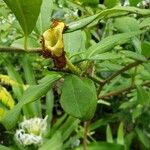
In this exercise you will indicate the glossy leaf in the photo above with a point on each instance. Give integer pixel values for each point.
(78, 97)
(24, 13)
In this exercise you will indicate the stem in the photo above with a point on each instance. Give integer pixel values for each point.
(25, 42)
(86, 125)
(133, 76)
(72, 67)
(121, 91)
(19, 50)
(127, 67)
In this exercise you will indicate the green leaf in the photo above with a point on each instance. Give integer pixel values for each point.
(89, 2)
(128, 104)
(143, 96)
(32, 109)
(126, 24)
(111, 3)
(13, 74)
(76, 25)
(128, 139)
(103, 146)
(132, 10)
(134, 55)
(78, 97)
(33, 93)
(120, 134)
(49, 107)
(72, 41)
(109, 42)
(68, 127)
(137, 112)
(55, 143)
(109, 137)
(146, 48)
(105, 56)
(2, 147)
(134, 2)
(59, 122)
(145, 23)
(19, 43)
(43, 22)
(26, 12)
(101, 122)
(142, 137)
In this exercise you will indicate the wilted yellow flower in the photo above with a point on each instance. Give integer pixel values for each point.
(52, 43)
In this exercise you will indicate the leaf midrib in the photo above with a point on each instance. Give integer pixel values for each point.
(76, 99)
(23, 17)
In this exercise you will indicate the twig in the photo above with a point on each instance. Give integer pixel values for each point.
(19, 50)
(110, 94)
(127, 67)
(86, 125)
(101, 83)
(133, 76)
(95, 80)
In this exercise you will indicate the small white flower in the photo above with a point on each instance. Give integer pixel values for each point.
(27, 139)
(36, 125)
(31, 131)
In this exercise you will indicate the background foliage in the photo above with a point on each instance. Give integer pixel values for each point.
(101, 99)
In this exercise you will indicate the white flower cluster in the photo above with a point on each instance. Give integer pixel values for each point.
(31, 131)
(142, 3)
